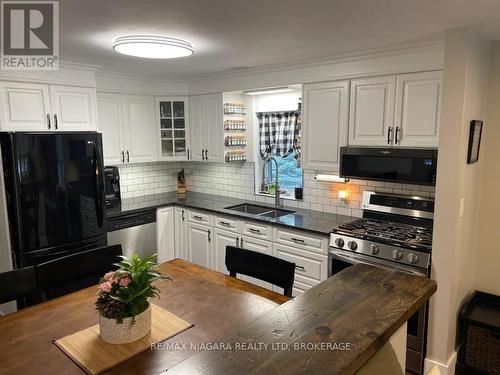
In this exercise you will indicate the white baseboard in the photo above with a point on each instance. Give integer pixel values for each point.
(447, 368)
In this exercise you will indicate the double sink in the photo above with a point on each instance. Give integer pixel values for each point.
(261, 211)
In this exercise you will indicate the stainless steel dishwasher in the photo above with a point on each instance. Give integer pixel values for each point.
(136, 232)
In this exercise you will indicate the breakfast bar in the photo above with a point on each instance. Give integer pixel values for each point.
(336, 327)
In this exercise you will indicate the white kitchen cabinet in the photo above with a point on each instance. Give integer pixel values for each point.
(140, 130)
(180, 218)
(73, 108)
(110, 124)
(371, 112)
(199, 244)
(222, 239)
(25, 107)
(325, 120)
(172, 126)
(37, 107)
(165, 234)
(418, 109)
(311, 268)
(215, 142)
(207, 132)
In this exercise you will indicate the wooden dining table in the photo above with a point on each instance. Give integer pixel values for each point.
(216, 304)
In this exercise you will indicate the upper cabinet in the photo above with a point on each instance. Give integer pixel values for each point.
(140, 130)
(37, 107)
(325, 123)
(402, 110)
(129, 132)
(172, 128)
(73, 108)
(25, 106)
(418, 109)
(206, 125)
(110, 124)
(372, 111)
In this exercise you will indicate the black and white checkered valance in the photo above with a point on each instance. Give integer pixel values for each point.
(277, 132)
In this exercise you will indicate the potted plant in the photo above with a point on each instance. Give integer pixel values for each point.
(123, 300)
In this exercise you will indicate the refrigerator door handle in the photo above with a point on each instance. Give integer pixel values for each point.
(97, 175)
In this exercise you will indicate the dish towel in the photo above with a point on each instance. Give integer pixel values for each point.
(277, 133)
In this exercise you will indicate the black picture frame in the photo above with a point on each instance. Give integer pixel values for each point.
(475, 132)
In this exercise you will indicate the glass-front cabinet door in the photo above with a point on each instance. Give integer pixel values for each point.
(173, 128)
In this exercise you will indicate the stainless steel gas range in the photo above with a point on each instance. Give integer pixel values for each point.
(394, 232)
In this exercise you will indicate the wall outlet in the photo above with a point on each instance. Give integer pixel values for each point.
(462, 204)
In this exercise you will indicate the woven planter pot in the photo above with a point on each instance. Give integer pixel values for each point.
(114, 333)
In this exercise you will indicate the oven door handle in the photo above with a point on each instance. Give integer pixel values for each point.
(378, 263)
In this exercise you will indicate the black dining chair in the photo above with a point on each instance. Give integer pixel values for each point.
(264, 267)
(17, 284)
(77, 271)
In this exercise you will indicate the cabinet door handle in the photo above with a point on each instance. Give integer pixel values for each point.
(396, 140)
(241, 243)
(224, 223)
(55, 121)
(209, 238)
(182, 215)
(48, 120)
(206, 154)
(254, 230)
(128, 157)
(197, 217)
(297, 240)
(202, 154)
(389, 131)
(237, 242)
(188, 153)
(300, 267)
(123, 157)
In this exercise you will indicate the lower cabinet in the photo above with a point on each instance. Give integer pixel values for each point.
(310, 269)
(199, 244)
(223, 238)
(180, 248)
(165, 234)
(197, 241)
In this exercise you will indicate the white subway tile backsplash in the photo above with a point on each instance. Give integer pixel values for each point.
(238, 181)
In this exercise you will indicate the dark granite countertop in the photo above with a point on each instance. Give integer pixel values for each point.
(308, 220)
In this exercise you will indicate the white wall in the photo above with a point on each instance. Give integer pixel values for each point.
(487, 246)
(427, 56)
(466, 65)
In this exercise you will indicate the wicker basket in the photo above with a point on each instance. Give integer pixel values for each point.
(482, 349)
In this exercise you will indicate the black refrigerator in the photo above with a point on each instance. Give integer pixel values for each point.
(54, 189)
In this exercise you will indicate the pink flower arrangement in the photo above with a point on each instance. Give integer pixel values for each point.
(126, 292)
(124, 281)
(105, 287)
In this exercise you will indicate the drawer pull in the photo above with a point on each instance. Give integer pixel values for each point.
(224, 223)
(253, 230)
(300, 267)
(197, 217)
(297, 240)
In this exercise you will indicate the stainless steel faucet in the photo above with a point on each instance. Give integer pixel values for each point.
(263, 185)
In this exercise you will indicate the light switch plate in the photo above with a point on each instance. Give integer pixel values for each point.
(462, 204)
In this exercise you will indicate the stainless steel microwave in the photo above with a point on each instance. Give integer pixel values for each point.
(402, 165)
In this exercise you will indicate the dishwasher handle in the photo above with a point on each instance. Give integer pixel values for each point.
(131, 220)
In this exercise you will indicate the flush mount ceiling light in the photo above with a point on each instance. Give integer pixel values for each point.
(271, 90)
(152, 46)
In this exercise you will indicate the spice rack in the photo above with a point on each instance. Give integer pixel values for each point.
(235, 140)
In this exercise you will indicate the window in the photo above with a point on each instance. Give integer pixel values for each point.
(290, 175)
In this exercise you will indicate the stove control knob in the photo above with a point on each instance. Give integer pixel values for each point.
(374, 248)
(397, 254)
(339, 242)
(352, 245)
(412, 258)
